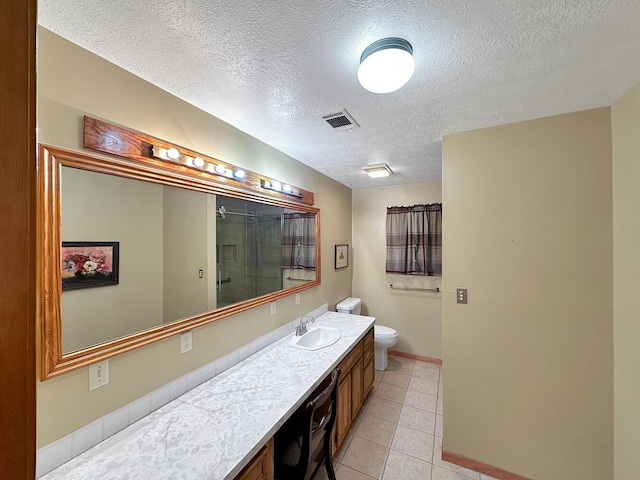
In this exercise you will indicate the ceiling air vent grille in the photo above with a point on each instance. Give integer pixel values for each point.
(341, 120)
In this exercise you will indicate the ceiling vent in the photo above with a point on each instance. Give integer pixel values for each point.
(341, 120)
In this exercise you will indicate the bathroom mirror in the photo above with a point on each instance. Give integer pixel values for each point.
(132, 252)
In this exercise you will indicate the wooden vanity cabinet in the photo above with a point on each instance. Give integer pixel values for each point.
(261, 466)
(354, 385)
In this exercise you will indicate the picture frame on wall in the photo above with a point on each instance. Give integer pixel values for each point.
(342, 256)
(89, 264)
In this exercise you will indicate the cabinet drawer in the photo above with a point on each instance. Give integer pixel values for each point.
(349, 361)
(368, 353)
(368, 339)
(367, 344)
(261, 466)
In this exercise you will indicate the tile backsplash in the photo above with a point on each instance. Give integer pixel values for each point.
(61, 451)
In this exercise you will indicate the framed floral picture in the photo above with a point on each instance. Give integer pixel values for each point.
(89, 264)
(342, 256)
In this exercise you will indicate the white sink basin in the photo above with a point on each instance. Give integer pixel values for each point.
(317, 338)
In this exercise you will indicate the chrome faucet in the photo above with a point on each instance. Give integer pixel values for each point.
(302, 328)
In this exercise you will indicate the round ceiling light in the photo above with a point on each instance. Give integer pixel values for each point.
(386, 65)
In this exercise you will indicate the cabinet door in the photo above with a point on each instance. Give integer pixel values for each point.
(343, 418)
(261, 466)
(368, 377)
(356, 388)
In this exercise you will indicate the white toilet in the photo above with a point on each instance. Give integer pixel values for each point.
(383, 337)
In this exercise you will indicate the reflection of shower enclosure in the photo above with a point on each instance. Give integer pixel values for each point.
(248, 249)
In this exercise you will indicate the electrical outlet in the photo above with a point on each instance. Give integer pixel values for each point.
(186, 342)
(272, 306)
(297, 299)
(98, 374)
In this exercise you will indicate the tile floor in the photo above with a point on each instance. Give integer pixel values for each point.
(398, 433)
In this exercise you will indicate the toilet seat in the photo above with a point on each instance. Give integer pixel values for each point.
(380, 331)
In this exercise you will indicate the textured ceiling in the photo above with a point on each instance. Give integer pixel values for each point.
(274, 68)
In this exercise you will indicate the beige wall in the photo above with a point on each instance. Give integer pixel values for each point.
(130, 213)
(187, 247)
(626, 282)
(73, 82)
(528, 361)
(416, 316)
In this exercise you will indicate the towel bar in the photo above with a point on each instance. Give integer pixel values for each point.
(436, 290)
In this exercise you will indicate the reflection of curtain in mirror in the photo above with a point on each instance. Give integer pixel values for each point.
(299, 240)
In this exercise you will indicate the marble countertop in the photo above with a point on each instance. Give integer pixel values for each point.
(214, 430)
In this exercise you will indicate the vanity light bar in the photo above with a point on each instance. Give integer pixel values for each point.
(280, 188)
(173, 154)
(99, 136)
(159, 152)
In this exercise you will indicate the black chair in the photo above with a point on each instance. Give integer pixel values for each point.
(305, 439)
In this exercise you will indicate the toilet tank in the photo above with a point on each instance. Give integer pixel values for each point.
(350, 305)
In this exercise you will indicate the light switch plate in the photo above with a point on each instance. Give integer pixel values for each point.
(272, 306)
(297, 299)
(98, 374)
(461, 295)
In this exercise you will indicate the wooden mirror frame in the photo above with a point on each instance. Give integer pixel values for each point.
(50, 161)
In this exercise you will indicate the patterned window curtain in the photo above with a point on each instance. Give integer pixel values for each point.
(414, 239)
(299, 240)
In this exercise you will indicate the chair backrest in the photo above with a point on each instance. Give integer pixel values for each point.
(322, 409)
(308, 432)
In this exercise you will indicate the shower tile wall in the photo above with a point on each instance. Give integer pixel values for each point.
(231, 240)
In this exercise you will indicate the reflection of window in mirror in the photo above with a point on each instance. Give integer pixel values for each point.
(259, 247)
(299, 245)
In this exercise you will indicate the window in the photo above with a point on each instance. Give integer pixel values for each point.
(414, 240)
